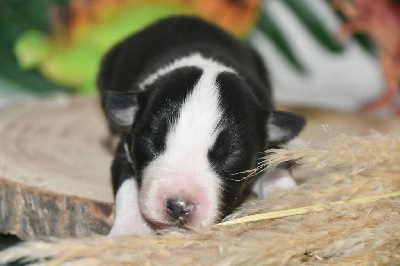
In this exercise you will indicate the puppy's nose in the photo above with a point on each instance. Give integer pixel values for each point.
(179, 210)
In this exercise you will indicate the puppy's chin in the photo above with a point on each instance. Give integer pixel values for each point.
(165, 228)
(177, 226)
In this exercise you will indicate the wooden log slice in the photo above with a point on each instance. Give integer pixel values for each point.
(54, 169)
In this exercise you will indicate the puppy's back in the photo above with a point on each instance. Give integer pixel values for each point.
(135, 58)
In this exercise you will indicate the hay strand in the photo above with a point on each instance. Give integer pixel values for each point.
(349, 152)
(307, 209)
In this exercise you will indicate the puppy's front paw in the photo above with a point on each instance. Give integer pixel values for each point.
(128, 218)
(270, 181)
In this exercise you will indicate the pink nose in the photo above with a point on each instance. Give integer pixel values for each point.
(179, 210)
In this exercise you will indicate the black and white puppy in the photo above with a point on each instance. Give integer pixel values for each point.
(192, 107)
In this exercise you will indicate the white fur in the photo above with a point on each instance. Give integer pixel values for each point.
(128, 218)
(128, 155)
(195, 59)
(272, 180)
(183, 170)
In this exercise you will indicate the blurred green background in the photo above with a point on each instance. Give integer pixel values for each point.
(17, 17)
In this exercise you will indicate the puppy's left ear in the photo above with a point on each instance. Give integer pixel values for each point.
(120, 108)
(283, 126)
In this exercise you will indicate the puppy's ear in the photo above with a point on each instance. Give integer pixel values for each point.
(120, 108)
(283, 126)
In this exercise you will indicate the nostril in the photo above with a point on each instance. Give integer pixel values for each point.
(179, 210)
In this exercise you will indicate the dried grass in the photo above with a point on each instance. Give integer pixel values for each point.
(351, 232)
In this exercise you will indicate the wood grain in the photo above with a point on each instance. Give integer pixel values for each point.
(54, 169)
(323, 124)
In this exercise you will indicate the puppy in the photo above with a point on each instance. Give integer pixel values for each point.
(192, 108)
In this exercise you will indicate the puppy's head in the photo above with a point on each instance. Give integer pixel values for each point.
(192, 134)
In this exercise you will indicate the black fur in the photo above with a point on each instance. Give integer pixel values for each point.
(141, 54)
(133, 59)
(242, 138)
(245, 99)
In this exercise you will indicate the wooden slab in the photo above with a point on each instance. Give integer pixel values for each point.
(54, 168)
(323, 124)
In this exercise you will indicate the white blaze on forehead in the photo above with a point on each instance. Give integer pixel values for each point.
(195, 130)
(193, 60)
(184, 168)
